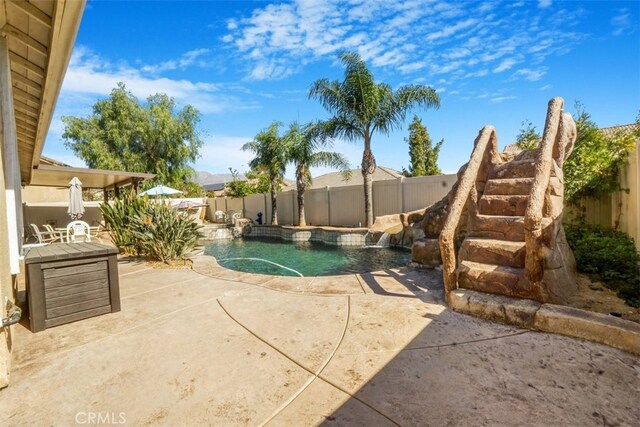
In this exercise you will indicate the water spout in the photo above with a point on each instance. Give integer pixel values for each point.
(383, 242)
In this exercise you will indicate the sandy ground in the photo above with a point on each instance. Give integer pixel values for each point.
(594, 296)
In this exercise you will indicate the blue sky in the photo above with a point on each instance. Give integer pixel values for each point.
(244, 64)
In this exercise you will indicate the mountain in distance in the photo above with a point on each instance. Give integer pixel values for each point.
(207, 178)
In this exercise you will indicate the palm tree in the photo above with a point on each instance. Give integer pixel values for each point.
(271, 156)
(303, 143)
(360, 107)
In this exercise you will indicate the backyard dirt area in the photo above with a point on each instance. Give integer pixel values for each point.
(594, 296)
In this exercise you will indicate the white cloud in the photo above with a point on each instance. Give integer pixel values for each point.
(505, 65)
(89, 74)
(546, 87)
(479, 73)
(451, 29)
(621, 23)
(457, 53)
(221, 152)
(499, 99)
(543, 4)
(530, 75)
(409, 68)
(187, 59)
(279, 40)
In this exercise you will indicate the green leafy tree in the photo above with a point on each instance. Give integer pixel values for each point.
(593, 168)
(122, 134)
(303, 143)
(422, 152)
(361, 107)
(270, 151)
(528, 138)
(256, 182)
(260, 182)
(237, 187)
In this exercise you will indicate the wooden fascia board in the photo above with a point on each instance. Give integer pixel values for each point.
(64, 30)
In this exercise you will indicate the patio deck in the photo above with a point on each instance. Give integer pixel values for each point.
(212, 346)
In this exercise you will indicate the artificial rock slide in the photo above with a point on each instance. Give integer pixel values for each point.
(500, 230)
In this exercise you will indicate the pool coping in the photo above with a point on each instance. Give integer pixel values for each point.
(340, 236)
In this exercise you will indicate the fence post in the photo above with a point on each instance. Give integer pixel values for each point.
(401, 194)
(328, 205)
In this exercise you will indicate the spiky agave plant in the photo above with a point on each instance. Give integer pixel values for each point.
(164, 233)
(118, 215)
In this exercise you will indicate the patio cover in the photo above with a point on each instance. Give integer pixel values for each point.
(40, 36)
(59, 176)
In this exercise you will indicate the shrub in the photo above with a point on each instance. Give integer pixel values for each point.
(609, 256)
(118, 215)
(592, 169)
(164, 233)
(142, 226)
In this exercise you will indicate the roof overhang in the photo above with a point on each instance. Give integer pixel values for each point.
(59, 176)
(40, 37)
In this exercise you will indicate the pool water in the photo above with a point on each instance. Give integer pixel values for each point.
(284, 258)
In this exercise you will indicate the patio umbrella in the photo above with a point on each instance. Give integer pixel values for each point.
(76, 207)
(160, 190)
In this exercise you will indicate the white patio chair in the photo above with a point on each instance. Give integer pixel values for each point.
(235, 217)
(78, 230)
(231, 217)
(53, 232)
(43, 236)
(95, 231)
(221, 217)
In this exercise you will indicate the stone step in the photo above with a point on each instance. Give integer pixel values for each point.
(518, 186)
(501, 227)
(516, 169)
(493, 279)
(492, 251)
(506, 205)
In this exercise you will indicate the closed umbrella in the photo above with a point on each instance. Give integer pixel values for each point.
(76, 207)
(160, 190)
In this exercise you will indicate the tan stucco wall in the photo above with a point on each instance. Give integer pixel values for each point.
(44, 194)
(6, 279)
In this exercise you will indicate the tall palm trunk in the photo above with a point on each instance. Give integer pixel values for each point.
(368, 167)
(301, 187)
(274, 208)
(302, 222)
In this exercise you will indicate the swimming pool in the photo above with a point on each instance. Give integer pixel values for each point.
(277, 257)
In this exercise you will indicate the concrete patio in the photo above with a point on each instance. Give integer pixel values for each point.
(210, 346)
